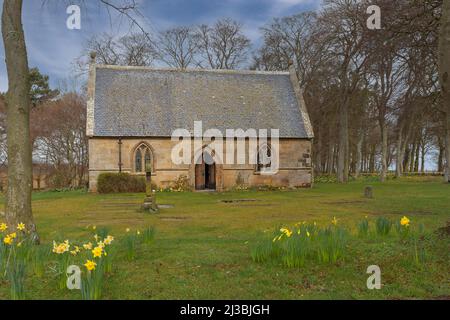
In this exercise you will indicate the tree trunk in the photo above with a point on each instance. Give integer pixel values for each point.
(18, 195)
(412, 158)
(342, 170)
(400, 154)
(416, 162)
(422, 162)
(440, 163)
(372, 159)
(444, 74)
(384, 150)
(358, 164)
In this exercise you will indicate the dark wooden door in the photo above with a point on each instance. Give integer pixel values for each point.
(210, 176)
(200, 176)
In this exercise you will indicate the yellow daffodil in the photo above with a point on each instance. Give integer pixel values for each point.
(3, 227)
(334, 221)
(127, 229)
(21, 227)
(405, 221)
(101, 244)
(94, 227)
(96, 237)
(138, 232)
(287, 232)
(61, 248)
(73, 252)
(108, 240)
(90, 265)
(8, 240)
(87, 246)
(97, 252)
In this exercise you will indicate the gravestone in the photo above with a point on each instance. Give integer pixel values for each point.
(149, 201)
(368, 192)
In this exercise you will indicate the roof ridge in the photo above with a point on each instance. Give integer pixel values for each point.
(224, 71)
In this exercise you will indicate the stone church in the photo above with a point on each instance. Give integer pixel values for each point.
(132, 113)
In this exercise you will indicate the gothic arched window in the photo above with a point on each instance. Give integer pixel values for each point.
(143, 159)
(264, 158)
(138, 161)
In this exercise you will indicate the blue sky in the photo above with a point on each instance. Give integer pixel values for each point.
(53, 48)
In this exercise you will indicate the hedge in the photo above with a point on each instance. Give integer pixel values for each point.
(120, 183)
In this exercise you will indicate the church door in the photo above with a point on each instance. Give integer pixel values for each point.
(200, 176)
(205, 174)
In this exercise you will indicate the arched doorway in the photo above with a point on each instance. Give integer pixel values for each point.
(205, 173)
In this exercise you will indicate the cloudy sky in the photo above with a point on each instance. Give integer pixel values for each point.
(53, 48)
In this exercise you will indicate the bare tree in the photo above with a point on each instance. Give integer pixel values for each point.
(18, 103)
(59, 135)
(444, 73)
(137, 50)
(18, 195)
(134, 49)
(223, 46)
(178, 47)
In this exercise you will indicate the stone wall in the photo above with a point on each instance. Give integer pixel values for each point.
(295, 164)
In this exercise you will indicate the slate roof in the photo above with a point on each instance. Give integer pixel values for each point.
(144, 102)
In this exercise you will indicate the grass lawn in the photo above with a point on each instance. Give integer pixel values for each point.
(202, 245)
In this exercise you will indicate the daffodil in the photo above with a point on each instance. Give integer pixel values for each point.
(405, 221)
(334, 221)
(8, 240)
(127, 229)
(108, 240)
(87, 246)
(138, 232)
(61, 248)
(21, 227)
(101, 244)
(287, 232)
(90, 265)
(97, 252)
(3, 227)
(308, 234)
(94, 227)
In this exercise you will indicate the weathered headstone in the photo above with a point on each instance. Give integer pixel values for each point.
(368, 192)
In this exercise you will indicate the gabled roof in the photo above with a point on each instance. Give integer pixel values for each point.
(145, 102)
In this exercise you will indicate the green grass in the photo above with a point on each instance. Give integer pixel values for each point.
(202, 246)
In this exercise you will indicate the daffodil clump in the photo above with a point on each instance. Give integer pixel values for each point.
(15, 248)
(296, 245)
(383, 226)
(94, 255)
(363, 227)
